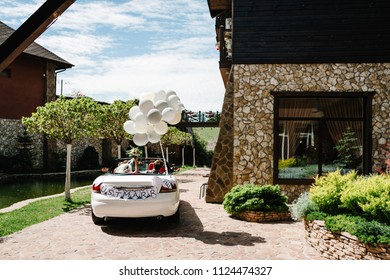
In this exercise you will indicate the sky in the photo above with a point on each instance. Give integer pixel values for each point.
(124, 48)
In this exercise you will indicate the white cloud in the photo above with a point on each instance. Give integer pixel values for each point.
(77, 48)
(191, 46)
(122, 49)
(19, 11)
(196, 81)
(87, 16)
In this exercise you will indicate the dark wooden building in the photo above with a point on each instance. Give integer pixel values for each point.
(317, 31)
(302, 77)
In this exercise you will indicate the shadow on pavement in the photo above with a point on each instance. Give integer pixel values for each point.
(190, 226)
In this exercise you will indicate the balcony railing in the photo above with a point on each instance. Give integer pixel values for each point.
(199, 119)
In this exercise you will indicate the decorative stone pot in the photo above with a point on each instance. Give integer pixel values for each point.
(342, 246)
(259, 217)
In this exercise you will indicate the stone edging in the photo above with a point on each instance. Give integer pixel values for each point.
(342, 246)
(47, 176)
(255, 216)
(23, 203)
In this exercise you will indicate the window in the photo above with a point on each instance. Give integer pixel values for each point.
(316, 133)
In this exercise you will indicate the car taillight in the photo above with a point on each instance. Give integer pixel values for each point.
(164, 189)
(96, 188)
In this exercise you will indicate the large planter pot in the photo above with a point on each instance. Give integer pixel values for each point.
(342, 246)
(259, 217)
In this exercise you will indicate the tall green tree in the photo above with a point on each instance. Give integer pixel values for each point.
(66, 120)
(112, 117)
(175, 136)
(25, 148)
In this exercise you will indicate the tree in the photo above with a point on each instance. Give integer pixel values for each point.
(112, 117)
(26, 153)
(66, 120)
(175, 136)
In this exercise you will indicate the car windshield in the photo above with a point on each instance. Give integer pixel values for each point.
(147, 166)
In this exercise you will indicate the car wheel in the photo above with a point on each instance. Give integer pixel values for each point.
(175, 218)
(97, 220)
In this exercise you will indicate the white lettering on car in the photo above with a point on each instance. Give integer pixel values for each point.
(143, 193)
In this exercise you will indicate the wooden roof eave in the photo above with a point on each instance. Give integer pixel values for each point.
(218, 6)
(59, 65)
(31, 29)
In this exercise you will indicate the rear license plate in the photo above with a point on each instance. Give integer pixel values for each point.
(129, 193)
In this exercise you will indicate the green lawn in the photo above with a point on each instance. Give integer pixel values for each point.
(41, 210)
(209, 134)
(47, 208)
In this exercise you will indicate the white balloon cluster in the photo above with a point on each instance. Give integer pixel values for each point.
(149, 120)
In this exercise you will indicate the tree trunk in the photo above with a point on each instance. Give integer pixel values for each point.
(193, 156)
(67, 176)
(119, 151)
(182, 156)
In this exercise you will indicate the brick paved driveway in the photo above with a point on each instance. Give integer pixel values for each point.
(205, 232)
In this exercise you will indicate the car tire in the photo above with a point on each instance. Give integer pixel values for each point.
(175, 218)
(97, 220)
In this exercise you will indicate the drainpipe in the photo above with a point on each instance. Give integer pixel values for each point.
(62, 84)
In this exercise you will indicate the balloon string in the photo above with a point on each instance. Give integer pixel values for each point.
(165, 162)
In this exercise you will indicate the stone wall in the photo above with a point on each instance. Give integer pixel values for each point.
(10, 129)
(253, 115)
(51, 79)
(79, 147)
(221, 174)
(342, 246)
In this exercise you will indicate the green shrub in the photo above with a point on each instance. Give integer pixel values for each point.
(302, 206)
(366, 231)
(254, 198)
(326, 190)
(349, 203)
(316, 215)
(369, 197)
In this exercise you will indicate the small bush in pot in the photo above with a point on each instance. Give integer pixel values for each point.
(250, 197)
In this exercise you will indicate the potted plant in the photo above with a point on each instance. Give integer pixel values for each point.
(256, 203)
(344, 212)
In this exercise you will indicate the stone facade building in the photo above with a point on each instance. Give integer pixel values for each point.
(302, 78)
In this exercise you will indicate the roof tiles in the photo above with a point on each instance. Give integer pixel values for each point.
(34, 49)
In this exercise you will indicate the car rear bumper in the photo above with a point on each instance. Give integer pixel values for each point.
(165, 204)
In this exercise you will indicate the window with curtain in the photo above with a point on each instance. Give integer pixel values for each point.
(319, 133)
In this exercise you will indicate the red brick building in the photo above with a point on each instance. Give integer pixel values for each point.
(28, 82)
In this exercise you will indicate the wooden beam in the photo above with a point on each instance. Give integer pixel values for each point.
(220, 4)
(217, 6)
(31, 29)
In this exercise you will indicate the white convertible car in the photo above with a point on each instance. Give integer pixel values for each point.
(136, 189)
